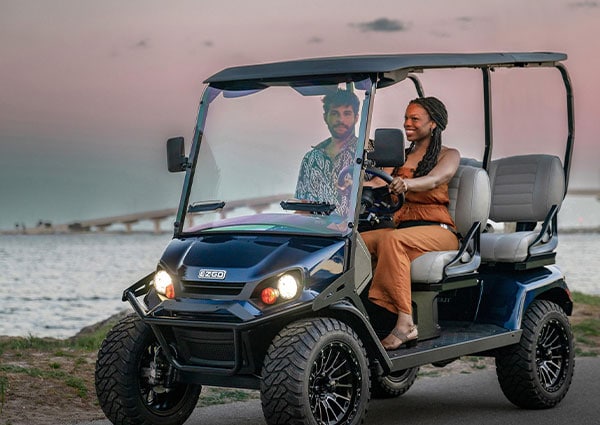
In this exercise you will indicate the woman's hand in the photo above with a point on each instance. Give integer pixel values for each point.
(399, 186)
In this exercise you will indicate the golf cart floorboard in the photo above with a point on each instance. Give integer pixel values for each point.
(456, 339)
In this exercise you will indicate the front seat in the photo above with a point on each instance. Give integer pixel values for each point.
(469, 192)
(437, 271)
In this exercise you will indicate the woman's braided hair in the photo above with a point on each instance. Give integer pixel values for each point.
(438, 114)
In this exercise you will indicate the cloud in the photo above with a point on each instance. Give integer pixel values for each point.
(142, 44)
(381, 25)
(440, 34)
(464, 19)
(584, 4)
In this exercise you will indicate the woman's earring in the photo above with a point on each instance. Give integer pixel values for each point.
(431, 131)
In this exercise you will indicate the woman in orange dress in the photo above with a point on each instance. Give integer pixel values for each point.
(423, 223)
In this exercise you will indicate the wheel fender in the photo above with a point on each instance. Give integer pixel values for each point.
(350, 314)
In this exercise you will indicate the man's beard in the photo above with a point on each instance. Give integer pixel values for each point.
(347, 132)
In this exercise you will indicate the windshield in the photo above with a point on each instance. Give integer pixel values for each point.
(279, 159)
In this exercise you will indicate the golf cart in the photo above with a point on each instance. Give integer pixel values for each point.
(260, 290)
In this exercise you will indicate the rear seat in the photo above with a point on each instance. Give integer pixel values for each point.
(526, 189)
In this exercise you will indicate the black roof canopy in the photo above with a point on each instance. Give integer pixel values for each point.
(342, 68)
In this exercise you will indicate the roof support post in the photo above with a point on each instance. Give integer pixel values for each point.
(487, 111)
(570, 122)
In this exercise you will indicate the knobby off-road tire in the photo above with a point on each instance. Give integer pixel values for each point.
(315, 372)
(394, 384)
(125, 370)
(536, 373)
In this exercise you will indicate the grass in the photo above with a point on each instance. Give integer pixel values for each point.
(59, 347)
(211, 396)
(588, 327)
(68, 356)
(579, 298)
(587, 331)
(3, 387)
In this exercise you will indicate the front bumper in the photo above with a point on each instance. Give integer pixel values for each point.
(210, 342)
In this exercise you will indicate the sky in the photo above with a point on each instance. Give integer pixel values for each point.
(90, 90)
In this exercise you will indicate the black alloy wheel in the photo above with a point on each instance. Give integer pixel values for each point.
(315, 372)
(536, 373)
(134, 382)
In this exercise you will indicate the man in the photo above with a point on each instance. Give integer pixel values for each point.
(320, 178)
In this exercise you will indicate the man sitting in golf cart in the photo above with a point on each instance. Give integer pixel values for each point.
(322, 177)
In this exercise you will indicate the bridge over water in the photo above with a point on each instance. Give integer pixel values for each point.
(158, 216)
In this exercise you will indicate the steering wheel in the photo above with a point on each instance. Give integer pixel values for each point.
(379, 200)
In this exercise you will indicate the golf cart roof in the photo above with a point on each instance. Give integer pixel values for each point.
(395, 66)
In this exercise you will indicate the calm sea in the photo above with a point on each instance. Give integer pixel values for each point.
(53, 285)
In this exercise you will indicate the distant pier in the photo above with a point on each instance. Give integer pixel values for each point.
(585, 192)
(157, 217)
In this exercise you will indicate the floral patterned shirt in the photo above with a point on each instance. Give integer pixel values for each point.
(320, 176)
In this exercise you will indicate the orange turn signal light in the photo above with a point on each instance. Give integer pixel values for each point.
(170, 291)
(269, 295)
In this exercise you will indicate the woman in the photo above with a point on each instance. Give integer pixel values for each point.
(423, 223)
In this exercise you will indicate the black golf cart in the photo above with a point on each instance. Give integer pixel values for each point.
(260, 290)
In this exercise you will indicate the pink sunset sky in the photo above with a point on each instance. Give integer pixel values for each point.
(89, 91)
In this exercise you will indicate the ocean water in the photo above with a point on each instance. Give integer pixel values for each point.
(53, 285)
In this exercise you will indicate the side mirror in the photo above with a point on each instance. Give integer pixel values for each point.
(176, 159)
(388, 148)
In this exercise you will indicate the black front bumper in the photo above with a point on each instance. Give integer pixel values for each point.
(212, 344)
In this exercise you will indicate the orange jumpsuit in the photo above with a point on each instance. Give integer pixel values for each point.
(392, 250)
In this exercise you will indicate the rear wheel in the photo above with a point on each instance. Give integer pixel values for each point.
(536, 373)
(315, 372)
(134, 382)
(395, 384)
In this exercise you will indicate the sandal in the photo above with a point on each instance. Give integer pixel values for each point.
(405, 338)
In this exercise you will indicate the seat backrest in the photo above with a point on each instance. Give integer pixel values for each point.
(525, 187)
(469, 192)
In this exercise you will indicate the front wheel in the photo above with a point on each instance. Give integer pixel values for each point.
(536, 373)
(315, 372)
(134, 382)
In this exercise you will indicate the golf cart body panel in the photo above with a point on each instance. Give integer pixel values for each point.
(506, 297)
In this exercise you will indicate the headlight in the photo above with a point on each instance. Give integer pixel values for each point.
(277, 289)
(164, 284)
(287, 286)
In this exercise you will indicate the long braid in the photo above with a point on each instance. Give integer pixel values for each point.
(438, 114)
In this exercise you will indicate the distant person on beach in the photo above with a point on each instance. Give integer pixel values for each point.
(320, 176)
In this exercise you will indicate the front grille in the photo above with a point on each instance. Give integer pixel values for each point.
(212, 348)
(213, 288)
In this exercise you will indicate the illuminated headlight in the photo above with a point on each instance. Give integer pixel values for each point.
(287, 285)
(163, 283)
